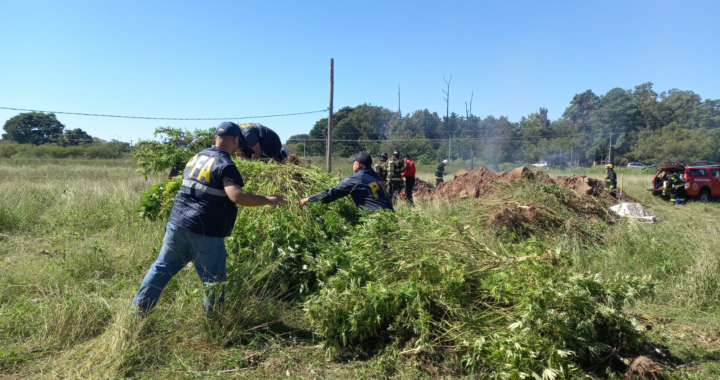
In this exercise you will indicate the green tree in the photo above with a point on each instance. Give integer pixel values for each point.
(76, 136)
(33, 128)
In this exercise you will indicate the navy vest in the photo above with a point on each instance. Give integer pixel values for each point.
(201, 205)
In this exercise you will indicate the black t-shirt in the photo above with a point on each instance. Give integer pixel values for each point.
(231, 177)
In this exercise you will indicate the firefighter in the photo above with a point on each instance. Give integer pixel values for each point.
(610, 179)
(664, 177)
(677, 189)
(381, 168)
(396, 166)
(440, 172)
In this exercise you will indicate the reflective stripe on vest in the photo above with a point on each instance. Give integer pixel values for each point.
(203, 189)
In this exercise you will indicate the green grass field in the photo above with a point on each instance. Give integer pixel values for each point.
(73, 252)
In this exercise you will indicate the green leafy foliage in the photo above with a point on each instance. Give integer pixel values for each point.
(33, 128)
(436, 288)
(175, 148)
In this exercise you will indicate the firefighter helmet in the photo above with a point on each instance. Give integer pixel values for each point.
(609, 166)
(396, 153)
(384, 155)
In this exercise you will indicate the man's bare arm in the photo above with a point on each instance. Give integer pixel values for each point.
(238, 196)
(256, 152)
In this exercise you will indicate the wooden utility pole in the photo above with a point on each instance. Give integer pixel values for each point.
(330, 120)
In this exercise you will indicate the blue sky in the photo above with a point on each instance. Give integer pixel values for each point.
(245, 58)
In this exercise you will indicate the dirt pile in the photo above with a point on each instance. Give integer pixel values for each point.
(467, 184)
(525, 173)
(476, 183)
(592, 187)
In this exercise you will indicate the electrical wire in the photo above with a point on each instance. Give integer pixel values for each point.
(165, 118)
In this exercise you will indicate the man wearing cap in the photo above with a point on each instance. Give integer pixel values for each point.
(440, 172)
(258, 141)
(364, 186)
(203, 214)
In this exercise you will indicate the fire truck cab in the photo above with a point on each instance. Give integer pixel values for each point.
(701, 182)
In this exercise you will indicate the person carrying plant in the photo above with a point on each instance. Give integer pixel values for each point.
(610, 179)
(258, 141)
(409, 175)
(202, 215)
(364, 186)
(396, 166)
(440, 172)
(381, 168)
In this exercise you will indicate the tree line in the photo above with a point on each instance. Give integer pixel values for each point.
(637, 124)
(42, 135)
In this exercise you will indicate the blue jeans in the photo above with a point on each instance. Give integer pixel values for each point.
(180, 247)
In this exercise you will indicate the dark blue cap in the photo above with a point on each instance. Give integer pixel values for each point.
(363, 158)
(228, 128)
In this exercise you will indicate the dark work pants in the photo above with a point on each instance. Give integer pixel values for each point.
(438, 181)
(396, 188)
(409, 184)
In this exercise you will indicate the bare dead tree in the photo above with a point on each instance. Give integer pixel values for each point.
(399, 113)
(447, 97)
(468, 111)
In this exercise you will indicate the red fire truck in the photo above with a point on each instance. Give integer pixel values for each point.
(702, 182)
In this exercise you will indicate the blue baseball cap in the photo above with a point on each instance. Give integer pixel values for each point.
(363, 158)
(228, 128)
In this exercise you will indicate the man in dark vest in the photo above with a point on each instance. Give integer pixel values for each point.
(364, 186)
(202, 215)
(258, 141)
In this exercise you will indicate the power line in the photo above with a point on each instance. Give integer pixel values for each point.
(164, 118)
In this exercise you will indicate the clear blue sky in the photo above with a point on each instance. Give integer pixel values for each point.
(244, 58)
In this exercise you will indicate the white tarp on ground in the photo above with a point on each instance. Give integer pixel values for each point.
(633, 210)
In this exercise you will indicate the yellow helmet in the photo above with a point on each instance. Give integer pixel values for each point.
(609, 166)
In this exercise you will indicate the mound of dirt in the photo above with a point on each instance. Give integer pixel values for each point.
(520, 219)
(592, 187)
(525, 173)
(467, 184)
(461, 173)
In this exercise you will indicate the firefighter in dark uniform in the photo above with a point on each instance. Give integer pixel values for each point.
(381, 169)
(677, 189)
(440, 172)
(258, 141)
(396, 166)
(610, 179)
(202, 215)
(364, 186)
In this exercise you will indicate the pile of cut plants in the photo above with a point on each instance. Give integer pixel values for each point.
(470, 288)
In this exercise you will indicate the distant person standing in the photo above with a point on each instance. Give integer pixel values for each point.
(610, 179)
(409, 175)
(363, 186)
(202, 215)
(440, 172)
(381, 168)
(396, 166)
(258, 141)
